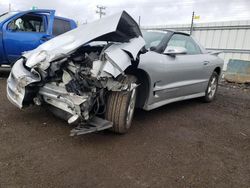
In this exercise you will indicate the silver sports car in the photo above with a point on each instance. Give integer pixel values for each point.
(96, 75)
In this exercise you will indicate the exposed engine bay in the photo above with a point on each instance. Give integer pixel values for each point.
(76, 84)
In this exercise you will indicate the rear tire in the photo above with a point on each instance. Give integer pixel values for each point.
(211, 88)
(120, 107)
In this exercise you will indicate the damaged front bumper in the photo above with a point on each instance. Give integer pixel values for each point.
(18, 90)
(23, 90)
(74, 78)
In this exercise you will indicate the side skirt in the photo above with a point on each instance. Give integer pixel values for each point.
(167, 101)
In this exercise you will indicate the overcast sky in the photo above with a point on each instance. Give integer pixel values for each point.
(152, 12)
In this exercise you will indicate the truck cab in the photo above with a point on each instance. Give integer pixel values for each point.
(25, 31)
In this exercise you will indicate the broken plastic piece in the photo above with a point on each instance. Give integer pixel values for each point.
(96, 124)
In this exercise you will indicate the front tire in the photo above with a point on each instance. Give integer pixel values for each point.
(211, 88)
(120, 107)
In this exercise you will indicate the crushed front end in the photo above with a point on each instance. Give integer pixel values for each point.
(75, 84)
(72, 75)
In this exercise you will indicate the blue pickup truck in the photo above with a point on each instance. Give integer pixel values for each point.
(24, 31)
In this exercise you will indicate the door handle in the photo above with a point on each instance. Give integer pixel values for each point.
(206, 62)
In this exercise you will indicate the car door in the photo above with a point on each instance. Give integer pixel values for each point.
(178, 76)
(26, 31)
(185, 73)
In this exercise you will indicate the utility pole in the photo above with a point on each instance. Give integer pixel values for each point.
(100, 10)
(139, 21)
(192, 24)
(9, 7)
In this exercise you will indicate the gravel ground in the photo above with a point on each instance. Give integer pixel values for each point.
(185, 144)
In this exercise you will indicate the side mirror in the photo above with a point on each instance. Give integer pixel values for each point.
(173, 50)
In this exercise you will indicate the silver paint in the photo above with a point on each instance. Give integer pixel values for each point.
(173, 75)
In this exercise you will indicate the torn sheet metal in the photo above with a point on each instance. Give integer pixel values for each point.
(116, 28)
(18, 80)
(134, 46)
(60, 98)
(118, 55)
(117, 60)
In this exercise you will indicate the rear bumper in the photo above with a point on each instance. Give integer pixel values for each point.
(19, 79)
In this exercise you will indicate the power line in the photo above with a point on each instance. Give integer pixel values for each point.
(100, 11)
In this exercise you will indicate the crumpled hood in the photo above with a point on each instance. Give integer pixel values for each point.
(120, 27)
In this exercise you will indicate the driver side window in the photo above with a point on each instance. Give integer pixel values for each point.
(179, 40)
(28, 23)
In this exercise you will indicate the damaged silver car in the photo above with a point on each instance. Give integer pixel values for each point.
(94, 76)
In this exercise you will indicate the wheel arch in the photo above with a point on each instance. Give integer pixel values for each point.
(217, 70)
(144, 84)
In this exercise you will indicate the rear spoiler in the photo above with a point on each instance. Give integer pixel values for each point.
(214, 52)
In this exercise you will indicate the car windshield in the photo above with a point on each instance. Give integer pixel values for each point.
(6, 15)
(153, 38)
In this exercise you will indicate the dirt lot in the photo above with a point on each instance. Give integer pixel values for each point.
(186, 144)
